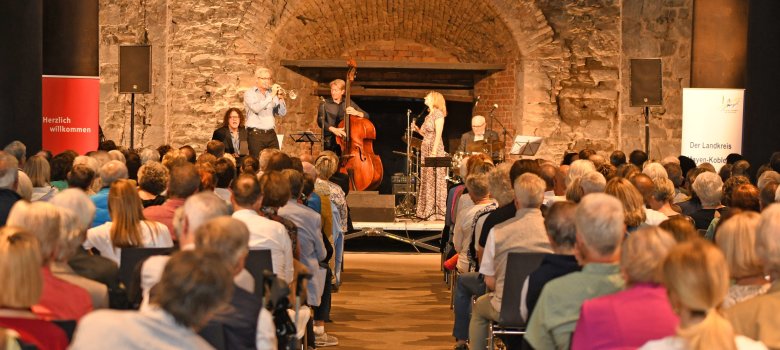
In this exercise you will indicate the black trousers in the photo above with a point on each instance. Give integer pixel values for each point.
(259, 140)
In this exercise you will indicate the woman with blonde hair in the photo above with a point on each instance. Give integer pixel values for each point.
(630, 318)
(38, 170)
(736, 237)
(631, 199)
(20, 261)
(696, 277)
(662, 196)
(432, 198)
(127, 228)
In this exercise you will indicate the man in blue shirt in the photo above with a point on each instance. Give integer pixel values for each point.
(262, 104)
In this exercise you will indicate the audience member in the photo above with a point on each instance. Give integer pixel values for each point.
(600, 230)
(225, 172)
(82, 176)
(61, 165)
(128, 227)
(561, 231)
(263, 233)
(189, 153)
(18, 150)
(638, 158)
(109, 173)
(197, 210)
(60, 300)
(37, 168)
(152, 182)
(8, 183)
(94, 267)
(246, 324)
(736, 238)
(524, 233)
(20, 263)
(617, 158)
(194, 286)
(314, 254)
(681, 227)
(72, 235)
(630, 318)
(708, 188)
(662, 196)
(148, 154)
(216, 148)
(696, 277)
(183, 181)
(757, 318)
(655, 171)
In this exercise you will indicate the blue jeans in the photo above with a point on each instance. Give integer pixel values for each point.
(469, 285)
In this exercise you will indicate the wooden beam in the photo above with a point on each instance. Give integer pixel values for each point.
(449, 95)
(394, 65)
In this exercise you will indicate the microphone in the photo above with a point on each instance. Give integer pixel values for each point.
(476, 101)
(495, 106)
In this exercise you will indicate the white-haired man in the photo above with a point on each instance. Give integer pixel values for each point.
(478, 133)
(523, 233)
(109, 172)
(600, 229)
(8, 183)
(262, 102)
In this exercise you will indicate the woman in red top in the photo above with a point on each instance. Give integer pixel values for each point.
(20, 261)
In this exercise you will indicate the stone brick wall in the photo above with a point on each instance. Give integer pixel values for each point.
(657, 29)
(565, 78)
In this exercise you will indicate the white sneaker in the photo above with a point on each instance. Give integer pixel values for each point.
(324, 339)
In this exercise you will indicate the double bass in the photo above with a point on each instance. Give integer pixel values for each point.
(358, 159)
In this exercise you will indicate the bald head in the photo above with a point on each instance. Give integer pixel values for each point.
(478, 124)
(644, 184)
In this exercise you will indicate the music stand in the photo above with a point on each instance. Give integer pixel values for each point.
(436, 162)
(306, 136)
(526, 145)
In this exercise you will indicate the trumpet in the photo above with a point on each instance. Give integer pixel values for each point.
(291, 93)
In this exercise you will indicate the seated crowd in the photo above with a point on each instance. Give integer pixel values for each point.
(633, 253)
(65, 221)
(637, 253)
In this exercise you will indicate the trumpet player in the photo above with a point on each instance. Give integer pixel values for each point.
(263, 102)
(332, 112)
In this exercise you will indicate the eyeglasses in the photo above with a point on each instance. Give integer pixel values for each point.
(264, 78)
(477, 126)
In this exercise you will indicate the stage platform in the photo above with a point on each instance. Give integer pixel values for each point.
(394, 230)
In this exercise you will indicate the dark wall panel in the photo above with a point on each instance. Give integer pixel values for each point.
(70, 37)
(762, 96)
(20, 72)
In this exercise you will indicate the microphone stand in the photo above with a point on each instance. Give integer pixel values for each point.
(504, 132)
(322, 121)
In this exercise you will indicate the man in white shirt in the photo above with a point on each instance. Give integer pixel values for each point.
(263, 233)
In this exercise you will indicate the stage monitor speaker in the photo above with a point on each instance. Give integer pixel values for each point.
(646, 89)
(370, 206)
(135, 69)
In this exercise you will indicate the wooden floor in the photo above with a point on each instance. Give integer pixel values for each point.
(392, 301)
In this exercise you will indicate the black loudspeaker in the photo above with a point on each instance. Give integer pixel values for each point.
(135, 69)
(646, 89)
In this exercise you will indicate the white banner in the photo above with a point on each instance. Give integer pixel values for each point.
(712, 124)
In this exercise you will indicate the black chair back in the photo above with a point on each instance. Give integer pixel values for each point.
(257, 261)
(130, 269)
(518, 267)
(67, 326)
(214, 334)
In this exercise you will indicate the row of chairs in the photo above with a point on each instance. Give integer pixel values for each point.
(510, 322)
(132, 260)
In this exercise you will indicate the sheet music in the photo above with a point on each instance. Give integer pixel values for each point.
(526, 145)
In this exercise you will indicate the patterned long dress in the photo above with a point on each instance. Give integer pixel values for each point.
(433, 184)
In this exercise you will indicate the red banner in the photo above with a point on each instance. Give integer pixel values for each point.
(70, 113)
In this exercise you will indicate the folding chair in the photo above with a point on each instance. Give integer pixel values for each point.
(518, 267)
(257, 261)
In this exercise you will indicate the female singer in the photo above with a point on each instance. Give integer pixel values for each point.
(432, 198)
(232, 131)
